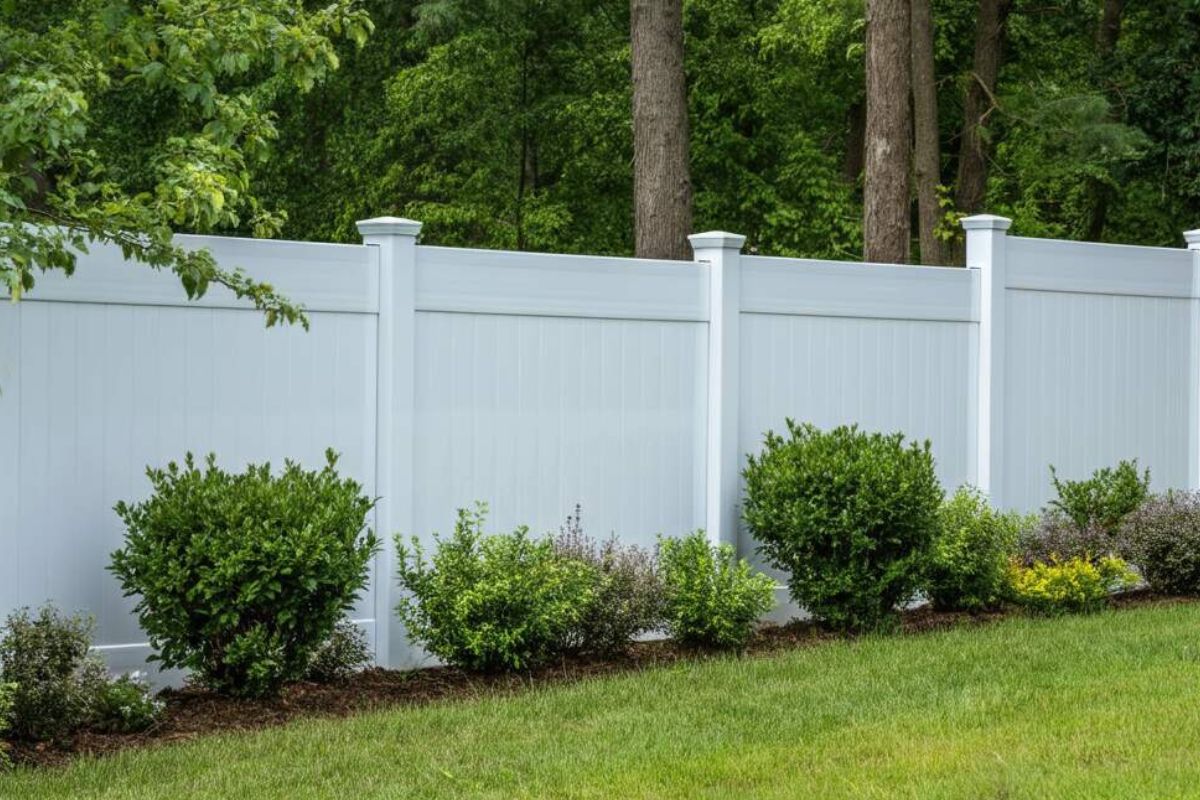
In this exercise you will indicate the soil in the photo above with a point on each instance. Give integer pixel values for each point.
(193, 712)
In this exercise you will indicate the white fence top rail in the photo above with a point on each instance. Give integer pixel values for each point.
(1051, 265)
(542, 284)
(805, 287)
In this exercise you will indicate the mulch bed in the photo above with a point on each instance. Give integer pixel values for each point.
(193, 712)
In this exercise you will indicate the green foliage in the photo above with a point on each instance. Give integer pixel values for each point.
(1103, 499)
(852, 516)
(45, 656)
(124, 121)
(8, 693)
(125, 705)
(1163, 538)
(626, 593)
(1073, 585)
(345, 652)
(490, 603)
(240, 577)
(975, 543)
(713, 598)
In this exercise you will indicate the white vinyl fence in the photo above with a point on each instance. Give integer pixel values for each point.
(534, 382)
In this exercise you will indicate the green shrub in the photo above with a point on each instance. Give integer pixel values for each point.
(46, 656)
(851, 516)
(713, 598)
(239, 577)
(1163, 540)
(1103, 499)
(7, 693)
(969, 562)
(125, 705)
(627, 595)
(488, 603)
(340, 656)
(1073, 585)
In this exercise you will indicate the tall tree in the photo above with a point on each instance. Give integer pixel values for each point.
(886, 202)
(927, 157)
(662, 186)
(978, 104)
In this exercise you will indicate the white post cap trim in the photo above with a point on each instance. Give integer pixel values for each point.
(721, 239)
(980, 222)
(383, 226)
(1193, 239)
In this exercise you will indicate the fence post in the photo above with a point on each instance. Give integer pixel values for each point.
(987, 252)
(1193, 243)
(722, 253)
(395, 240)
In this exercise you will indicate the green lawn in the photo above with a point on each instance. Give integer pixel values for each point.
(1082, 707)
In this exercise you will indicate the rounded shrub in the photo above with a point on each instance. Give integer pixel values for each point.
(491, 603)
(713, 598)
(240, 577)
(1076, 584)
(851, 516)
(1163, 541)
(125, 705)
(340, 656)
(970, 557)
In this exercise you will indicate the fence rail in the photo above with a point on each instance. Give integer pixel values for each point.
(538, 381)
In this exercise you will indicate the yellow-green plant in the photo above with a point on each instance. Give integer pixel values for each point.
(1056, 587)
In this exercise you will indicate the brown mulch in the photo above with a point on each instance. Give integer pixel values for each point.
(194, 712)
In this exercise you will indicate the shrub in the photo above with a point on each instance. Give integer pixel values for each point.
(850, 515)
(7, 693)
(487, 603)
(45, 655)
(713, 598)
(626, 597)
(340, 656)
(1073, 585)
(1103, 499)
(239, 577)
(970, 558)
(125, 705)
(1164, 542)
(1057, 537)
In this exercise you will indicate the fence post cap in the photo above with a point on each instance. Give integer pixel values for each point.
(383, 226)
(985, 222)
(721, 239)
(1193, 239)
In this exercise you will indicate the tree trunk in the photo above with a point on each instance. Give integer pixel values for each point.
(979, 103)
(927, 157)
(886, 201)
(662, 186)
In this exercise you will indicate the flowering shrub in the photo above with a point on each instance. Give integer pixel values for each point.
(1073, 585)
(1164, 542)
(125, 705)
(627, 593)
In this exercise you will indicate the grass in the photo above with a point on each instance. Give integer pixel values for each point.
(1099, 706)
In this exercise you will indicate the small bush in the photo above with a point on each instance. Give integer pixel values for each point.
(969, 562)
(7, 694)
(340, 656)
(1057, 537)
(45, 655)
(1164, 542)
(1073, 585)
(627, 595)
(125, 705)
(487, 603)
(851, 516)
(239, 577)
(1103, 499)
(713, 598)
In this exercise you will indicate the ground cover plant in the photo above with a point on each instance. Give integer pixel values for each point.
(1083, 706)
(241, 576)
(851, 517)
